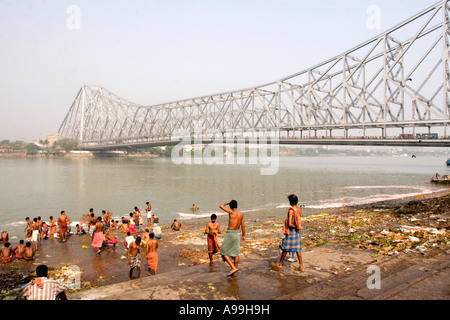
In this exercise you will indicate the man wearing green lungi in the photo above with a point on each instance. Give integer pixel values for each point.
(232, 241)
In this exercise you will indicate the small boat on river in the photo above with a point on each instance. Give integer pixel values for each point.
(441, 180)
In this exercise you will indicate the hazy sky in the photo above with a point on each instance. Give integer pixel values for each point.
(154, 51)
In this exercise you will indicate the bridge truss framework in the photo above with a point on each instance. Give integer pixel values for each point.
(395, 83)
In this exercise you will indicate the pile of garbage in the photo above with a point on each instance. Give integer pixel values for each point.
(416, 226)
(406, 239)
(194, 256)
(434, 206)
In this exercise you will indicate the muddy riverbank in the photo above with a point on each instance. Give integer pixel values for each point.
(414, 226)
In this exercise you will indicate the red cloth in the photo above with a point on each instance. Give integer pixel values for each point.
(213, 244)
(111, 241)
(62, 228)
(98, 240)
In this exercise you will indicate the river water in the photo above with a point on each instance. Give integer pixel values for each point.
(43, 187)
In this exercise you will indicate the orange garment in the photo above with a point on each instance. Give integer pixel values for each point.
(53, 229)
(152, 260)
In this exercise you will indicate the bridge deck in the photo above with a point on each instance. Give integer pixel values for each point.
(441, 143)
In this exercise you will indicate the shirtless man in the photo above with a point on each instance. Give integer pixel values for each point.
(212, 230)
(194, 208)
(292, 229)
(231, 243)
(5, 236)
(28, 234)
(80, 230)
(176, 225)
(145, 237)
(52, 228)
(124, 226)
(92, 222)
(29, 252)
(107, 219)
(39, 220)
(137, 217)
(114, 225)
(110, 239)
(152, 255)
(6, 253)
(148, 210)
(97, 240)
(19, 249)
(62, 224)
(134, 258)
(69, 229)
(29, 224)
(35, 236)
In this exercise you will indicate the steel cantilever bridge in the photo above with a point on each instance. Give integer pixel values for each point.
(383, 92)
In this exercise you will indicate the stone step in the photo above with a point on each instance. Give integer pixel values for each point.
(413, 282)
(405, 276)
(399, 277)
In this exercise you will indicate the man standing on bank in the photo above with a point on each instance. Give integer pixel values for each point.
(231, 242)
(42, 288)
(134, 258)
(62, 224)
(293, 237)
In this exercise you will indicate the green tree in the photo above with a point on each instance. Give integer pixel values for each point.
(17, 145)
(31, 148)
(67, 144)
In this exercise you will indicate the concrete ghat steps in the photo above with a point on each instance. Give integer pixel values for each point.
(255, 280)
(200, 282)
(143, 288)
(407, 277)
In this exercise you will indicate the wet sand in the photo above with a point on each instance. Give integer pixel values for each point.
(106, 268)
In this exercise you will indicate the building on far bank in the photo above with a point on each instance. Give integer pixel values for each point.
(52, 139)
